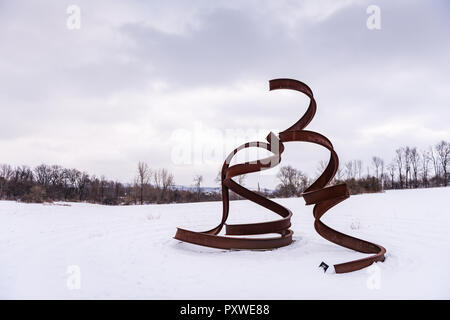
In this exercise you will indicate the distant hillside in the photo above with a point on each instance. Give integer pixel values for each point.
(209, 189)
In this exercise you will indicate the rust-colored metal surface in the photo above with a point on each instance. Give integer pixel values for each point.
(319, 194)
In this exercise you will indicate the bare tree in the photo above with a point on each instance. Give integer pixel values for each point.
(414, 159)
(425, 166)
(6, 173)
(21, 181)
(435, 161)
(55, 175)
(293, 181)
(358, 164)
(69, 180)
(377, 164)
(43, 175)
(81, 184)
(350, 169)
(143, 178)
(391, 168)
(103, 185)
(117, 190)
(399, 160)
(163, 181)
(94, 189)
(407, 159)
(321, 167)
(135, 191)
(443, 152)
(339, 176)
(198, 179)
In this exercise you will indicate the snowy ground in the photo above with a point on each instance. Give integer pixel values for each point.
(129, 252)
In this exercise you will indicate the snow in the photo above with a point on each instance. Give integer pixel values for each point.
(128, 252)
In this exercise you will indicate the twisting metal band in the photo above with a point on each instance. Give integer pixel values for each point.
(322, 196)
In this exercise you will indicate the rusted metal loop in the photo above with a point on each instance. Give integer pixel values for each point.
(320, 195)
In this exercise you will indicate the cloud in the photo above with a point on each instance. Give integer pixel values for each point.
(118, 90)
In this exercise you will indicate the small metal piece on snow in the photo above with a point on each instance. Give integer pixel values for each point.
(324, 266)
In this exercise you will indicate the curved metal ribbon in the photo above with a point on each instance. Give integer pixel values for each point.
(322, 196)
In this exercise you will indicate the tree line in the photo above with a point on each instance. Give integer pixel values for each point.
(409, 168)
(55, 183)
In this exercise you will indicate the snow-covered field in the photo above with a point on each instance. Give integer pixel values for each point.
(129, 252)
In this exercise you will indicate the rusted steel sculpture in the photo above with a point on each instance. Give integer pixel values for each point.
(322, 196)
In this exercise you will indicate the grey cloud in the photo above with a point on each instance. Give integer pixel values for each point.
(100, 80)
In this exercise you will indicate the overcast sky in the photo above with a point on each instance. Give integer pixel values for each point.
(179, 84)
